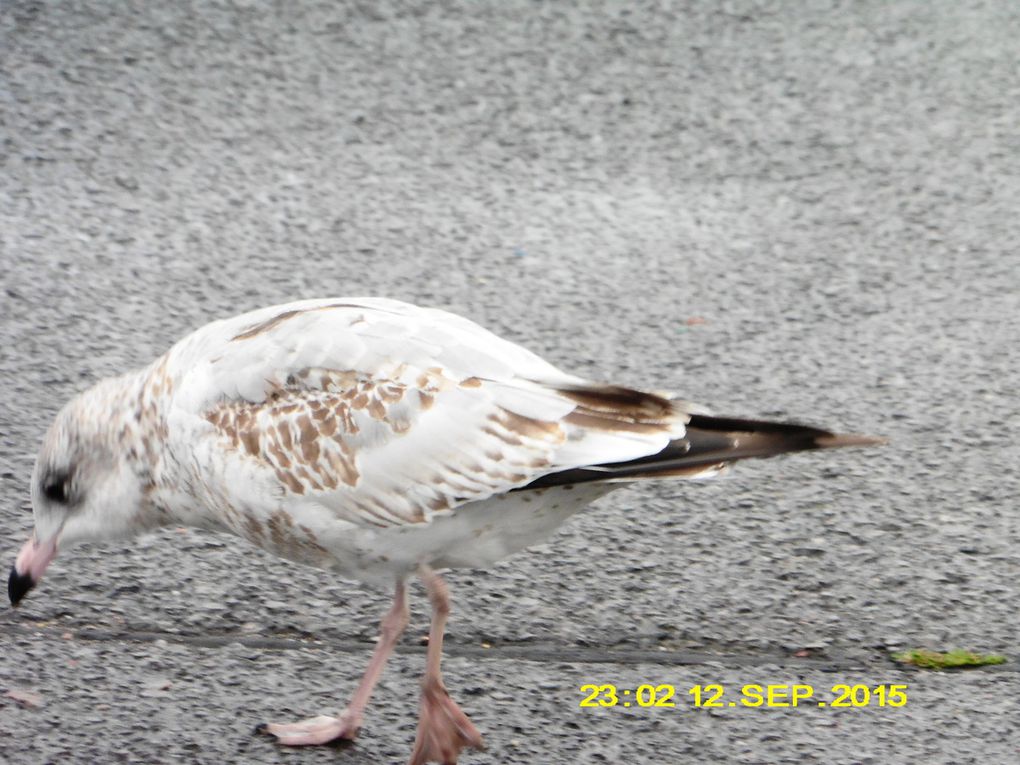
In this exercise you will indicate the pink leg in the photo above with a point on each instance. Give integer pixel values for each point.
(443, 729)
(324, 729)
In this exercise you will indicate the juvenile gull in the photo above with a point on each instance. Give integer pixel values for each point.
(374, 439)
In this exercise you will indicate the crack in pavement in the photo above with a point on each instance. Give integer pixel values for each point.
(534, 652)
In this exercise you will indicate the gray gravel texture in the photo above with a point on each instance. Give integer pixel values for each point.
(802, 210)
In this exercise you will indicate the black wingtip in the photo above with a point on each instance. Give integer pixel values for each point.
(18, 586)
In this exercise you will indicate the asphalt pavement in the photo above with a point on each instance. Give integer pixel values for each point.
(779, 209)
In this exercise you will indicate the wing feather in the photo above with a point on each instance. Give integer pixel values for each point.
(388, 414)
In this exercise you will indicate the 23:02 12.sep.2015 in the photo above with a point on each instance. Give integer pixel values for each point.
(714, 696)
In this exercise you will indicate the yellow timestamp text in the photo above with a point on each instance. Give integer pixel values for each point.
(714, 696)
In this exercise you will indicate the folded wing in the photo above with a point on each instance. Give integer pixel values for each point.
(389, 414)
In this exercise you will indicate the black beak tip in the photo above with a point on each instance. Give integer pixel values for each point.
(18, 586)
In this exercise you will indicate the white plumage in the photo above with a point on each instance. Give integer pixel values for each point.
(368, 437)
(419, 414)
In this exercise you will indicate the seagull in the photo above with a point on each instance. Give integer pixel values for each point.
(374, 439)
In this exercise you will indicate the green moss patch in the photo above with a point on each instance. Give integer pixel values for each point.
(926, 659)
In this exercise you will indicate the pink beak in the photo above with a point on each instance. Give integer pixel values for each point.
(29, 566)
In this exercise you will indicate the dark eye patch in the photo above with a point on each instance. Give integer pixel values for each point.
(55, 488)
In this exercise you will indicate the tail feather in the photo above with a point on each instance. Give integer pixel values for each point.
(709, 445)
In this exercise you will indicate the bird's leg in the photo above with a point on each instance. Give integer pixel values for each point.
(324, 729)
(443, 729)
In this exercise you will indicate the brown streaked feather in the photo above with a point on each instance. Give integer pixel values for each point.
(591, 420)
(264, 326)
(301, 432)
(620, 402)
(616, 408)
(325, 431)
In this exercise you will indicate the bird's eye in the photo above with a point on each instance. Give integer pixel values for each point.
(55, 489)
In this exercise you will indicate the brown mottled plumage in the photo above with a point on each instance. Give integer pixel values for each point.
(373, 439)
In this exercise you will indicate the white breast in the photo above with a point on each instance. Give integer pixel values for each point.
(474, 535)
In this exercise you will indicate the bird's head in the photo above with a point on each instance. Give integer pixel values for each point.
(86, 485)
